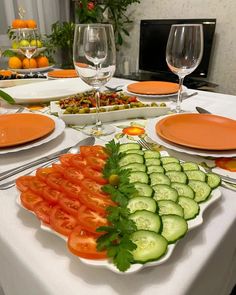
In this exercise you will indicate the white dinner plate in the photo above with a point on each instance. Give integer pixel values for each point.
(105, 263)
(47, 90)
(151, 96)
(59, 128)
(151, 132)
(33, 70)
(17, 82)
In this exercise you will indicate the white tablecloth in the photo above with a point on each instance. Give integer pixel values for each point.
(34, 262)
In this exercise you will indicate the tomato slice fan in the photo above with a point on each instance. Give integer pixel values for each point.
(61, 221)
(83, 244)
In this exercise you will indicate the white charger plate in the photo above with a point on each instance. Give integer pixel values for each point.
(59, 128)
(47, 90)
(151, 132)
(16, 82)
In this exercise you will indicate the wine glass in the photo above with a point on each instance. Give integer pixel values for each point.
(184, 52)
(94, 57)
(27, 43)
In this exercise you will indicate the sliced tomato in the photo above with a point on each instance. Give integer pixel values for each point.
(55, 180)
(65, 159)
(78, 161)
(70, 205)
(22, 182)
(96, 163)
(90, 220)
(42, 173)
(94, 175)
(226, 163)
(71, 189)
(83, 244)
(93, 186)
(29, 199)
(37, 185)
(51, 195)
(95, 202)
(74, 175)
(96, 150)
(58, 168)
(61, 221)
(42, 210)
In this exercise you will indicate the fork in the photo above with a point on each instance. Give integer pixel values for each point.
(227, 179)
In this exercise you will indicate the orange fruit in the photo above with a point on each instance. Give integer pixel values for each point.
(18, 23)
(29, 63)
(31, 23)
(42, 61)
(14, 63)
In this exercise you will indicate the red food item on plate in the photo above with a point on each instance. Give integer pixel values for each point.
(22, 182)
(42, 210)
(29, 199)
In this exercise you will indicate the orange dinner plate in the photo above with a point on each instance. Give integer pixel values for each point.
(153, 87)
(202, 131)
(22, 128)
(69, 73)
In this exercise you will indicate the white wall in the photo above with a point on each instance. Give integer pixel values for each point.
(223, 61)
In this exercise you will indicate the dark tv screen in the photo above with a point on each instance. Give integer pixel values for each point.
(153, 39)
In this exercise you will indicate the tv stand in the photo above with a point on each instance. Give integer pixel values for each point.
(189, 82)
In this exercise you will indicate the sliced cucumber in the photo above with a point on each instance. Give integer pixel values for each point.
(151, 154)
(146, 220)
(164, 192)
(150, 246)
(191, 207)
(130, 159)
(142, 203)
(196, 175)
(213, 180)
(153, 161)
(137, 152)
(172, 167)
(159, 178)
(129, 146)
(202, 190)
(144, 190)
(138, 177)
(169, 207)
(183, 190)
(155, 168)
(135, 167)
(177, 176)
(174, 227)
(189, 166)
(168, 159)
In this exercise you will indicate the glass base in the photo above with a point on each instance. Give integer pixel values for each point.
(101, 131)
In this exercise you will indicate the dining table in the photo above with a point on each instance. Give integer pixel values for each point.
(37, 262)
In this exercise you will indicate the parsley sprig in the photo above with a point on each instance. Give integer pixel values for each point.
(116, 239)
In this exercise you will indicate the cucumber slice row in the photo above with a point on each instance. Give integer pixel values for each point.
(150, 246)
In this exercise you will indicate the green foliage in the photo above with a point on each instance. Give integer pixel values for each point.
(92, 11)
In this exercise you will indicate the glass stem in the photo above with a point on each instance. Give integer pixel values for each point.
(98, 124)
(179, 98)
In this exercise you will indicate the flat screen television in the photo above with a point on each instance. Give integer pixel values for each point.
(153, 40)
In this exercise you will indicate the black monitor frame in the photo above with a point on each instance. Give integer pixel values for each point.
(153, 39)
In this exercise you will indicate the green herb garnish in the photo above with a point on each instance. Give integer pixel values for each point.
(6, 97)
(116, 239)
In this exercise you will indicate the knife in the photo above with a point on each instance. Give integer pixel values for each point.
(72, 149)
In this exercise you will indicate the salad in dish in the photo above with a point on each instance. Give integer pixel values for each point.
(119, 202)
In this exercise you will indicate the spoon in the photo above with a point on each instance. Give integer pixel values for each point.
(71, 150)
(115, 89)
(202, 111)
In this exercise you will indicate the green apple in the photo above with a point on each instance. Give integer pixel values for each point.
(15, 45)
(36, 43)
(24, 43)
